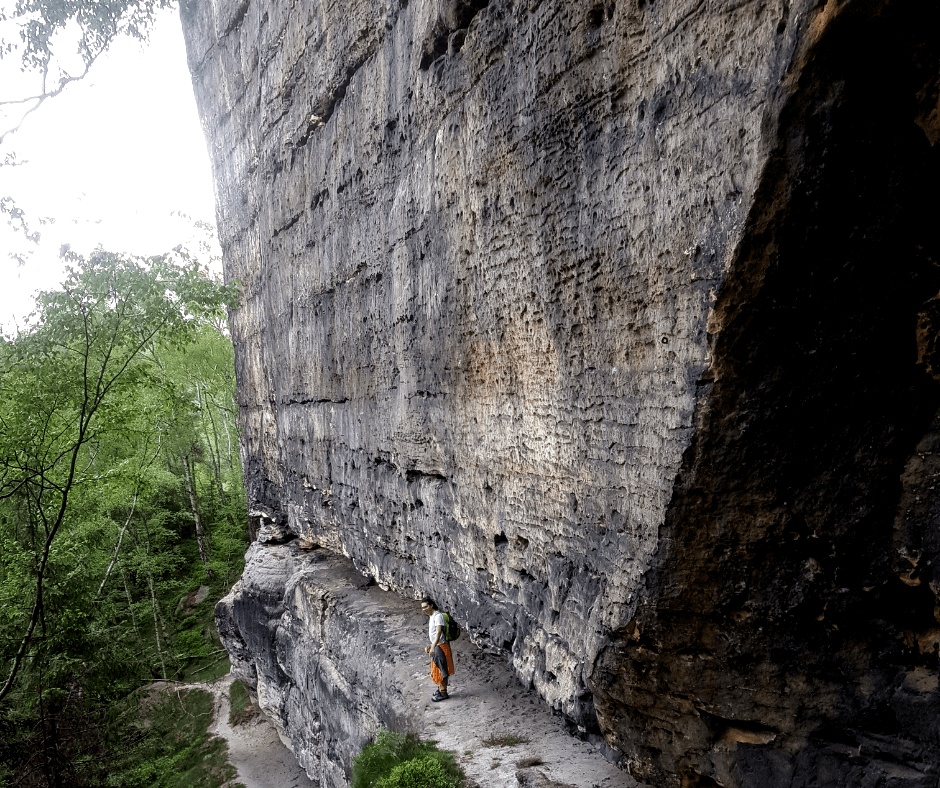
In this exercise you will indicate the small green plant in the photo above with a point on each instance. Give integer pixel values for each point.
(397, 760)
(241, 709)
(417, 773)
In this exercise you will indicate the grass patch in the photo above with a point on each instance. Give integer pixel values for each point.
(242, 708)
(504, 741)
(169, 746)
(209, 669)
(398, 760)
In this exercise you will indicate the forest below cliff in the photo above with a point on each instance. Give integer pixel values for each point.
(122, 515)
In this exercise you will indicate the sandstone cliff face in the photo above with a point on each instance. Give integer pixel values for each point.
(608, 325)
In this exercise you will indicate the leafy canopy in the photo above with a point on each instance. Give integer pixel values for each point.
(69, 396)
(96, 22)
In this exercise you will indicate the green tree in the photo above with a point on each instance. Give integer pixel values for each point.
(76, 453)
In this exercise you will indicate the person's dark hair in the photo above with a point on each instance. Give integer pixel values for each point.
(428, 601)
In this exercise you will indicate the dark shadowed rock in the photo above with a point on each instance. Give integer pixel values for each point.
(612, 326)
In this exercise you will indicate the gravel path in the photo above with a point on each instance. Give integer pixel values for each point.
(500, 732)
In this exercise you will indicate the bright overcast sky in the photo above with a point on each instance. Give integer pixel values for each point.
(113, 159)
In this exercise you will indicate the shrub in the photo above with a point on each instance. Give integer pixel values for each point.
(376, 764)
(417, 773)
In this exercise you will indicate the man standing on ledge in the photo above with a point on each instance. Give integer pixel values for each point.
(442, 661)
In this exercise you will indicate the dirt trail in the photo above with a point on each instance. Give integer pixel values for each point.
(254, 748)
(500, 732)
(503, 734)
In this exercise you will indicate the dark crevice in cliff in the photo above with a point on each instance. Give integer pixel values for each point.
(784, 18)
(778, 545)
(414, 475)
(340, 92)
(237, 18)
(449, 31)
(739, 729)
(290, 223)
(320, 401)
(328, 104)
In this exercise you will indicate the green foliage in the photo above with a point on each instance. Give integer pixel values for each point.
(172, 747)
(190, 643)
(241, 709)
(117, 431)
(75, 441)
(97, 24)
(208, 670)
(417, 773)
(396, 760)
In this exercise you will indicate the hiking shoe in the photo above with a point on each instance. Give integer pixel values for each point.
(439, 696)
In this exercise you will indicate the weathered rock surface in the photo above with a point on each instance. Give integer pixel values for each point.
(348, 658)
(610, 326)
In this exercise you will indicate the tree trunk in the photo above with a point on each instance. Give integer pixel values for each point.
(156, 619)
(228, 441)
(117, 547)
(213, 443)
(200, 536)
(130, 601)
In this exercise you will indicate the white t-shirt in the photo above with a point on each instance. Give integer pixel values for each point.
(436, 620)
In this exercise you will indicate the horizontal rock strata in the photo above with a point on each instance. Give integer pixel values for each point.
(612, 325)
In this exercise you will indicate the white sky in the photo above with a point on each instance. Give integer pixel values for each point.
(111, 159)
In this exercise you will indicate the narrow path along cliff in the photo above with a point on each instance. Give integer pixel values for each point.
(331, 657)
(499, 731)
(503, 733)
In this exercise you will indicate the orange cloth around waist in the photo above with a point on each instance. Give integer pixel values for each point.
(435, 670)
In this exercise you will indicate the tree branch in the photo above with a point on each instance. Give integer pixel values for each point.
(41, 98)
(117, 547)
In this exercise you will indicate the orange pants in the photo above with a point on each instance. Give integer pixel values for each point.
(436, 674)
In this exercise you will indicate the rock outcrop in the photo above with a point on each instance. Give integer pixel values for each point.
(332, 657)
(612, 326)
